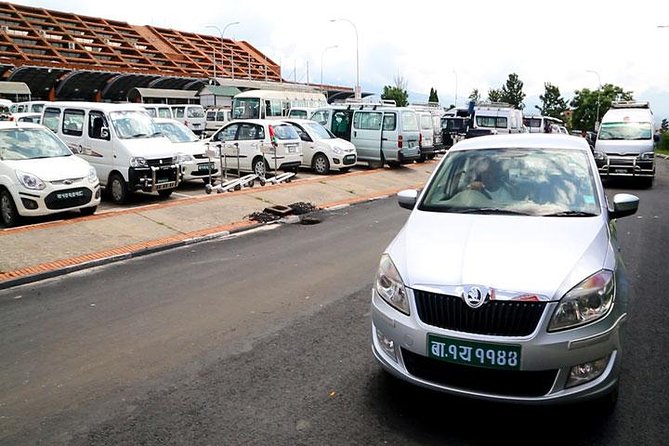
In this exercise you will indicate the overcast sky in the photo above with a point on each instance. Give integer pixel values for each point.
(434, 44)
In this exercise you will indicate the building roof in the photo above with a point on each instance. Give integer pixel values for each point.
(14, 88)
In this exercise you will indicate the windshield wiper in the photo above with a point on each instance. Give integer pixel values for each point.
(570, 214)
(138, 135)
(488, 210)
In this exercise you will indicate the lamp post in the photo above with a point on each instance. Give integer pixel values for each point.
(456, 88)
(358, 92)
(323, 55)
(598, 93)
(221, 33)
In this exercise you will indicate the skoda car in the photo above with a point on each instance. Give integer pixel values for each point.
(506, 282)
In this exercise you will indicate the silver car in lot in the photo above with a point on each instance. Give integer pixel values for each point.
(506, 282)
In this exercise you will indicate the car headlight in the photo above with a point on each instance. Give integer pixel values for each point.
(30, 181)
(137, 161)
(599, 155)
(92, 175)
(647, 156)
(586, 302)
(184, 158)
(389, 285)
(337, 150)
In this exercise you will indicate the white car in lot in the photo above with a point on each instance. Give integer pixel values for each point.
(191, 150)
(39, 175)
(322, 150)
(258, 145)
(507, 283)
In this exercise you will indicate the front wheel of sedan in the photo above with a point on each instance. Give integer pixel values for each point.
(320, 164)
(10, 216)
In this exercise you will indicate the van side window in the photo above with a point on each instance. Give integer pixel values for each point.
(52, 119)
(73, 122)
(211, 115)
(367, 120)
(178, 112)
(501, 122)
(321, 117)
(151, 112)
(389, 122)
(164, 112)
(96, 121)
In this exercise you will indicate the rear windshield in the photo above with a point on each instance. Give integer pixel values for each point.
(195, 112)
(409, 121)
(285, 131)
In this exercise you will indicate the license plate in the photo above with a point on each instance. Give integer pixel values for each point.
(477, 354)
(205, 167)
(292, 149)
(620, 170)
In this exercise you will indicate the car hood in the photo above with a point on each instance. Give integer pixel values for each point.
(341, 143)
(53, 169)
(540, 255)
(150, 148)
(191, 148)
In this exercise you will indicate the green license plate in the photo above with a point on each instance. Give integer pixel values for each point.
(204, 167)
(477, 354)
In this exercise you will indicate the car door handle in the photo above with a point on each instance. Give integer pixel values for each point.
(355, 133)
(384, 139)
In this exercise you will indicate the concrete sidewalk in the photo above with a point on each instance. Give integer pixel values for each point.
(32, 253)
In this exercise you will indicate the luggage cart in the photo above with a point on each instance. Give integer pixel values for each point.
(227, 185)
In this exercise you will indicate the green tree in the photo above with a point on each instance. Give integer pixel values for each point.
(552, 103)
(664, 126)
(494, 95)
(512, 92)
(475, 96)
(400, 96)
(434, 97)
(590, 105)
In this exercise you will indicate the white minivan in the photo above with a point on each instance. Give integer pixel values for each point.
(380, 133)
(39, 175)
(192, 115)
(496, 118)
(121, 142)
(624, 145)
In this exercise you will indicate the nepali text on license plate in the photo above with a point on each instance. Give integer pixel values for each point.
(477, 354)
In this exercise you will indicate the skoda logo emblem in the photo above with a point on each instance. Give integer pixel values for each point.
(475, 297)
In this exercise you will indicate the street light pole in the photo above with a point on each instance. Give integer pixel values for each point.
(358, 92)
(323, 55)
(456, 88)
(221, 33)
(598, 93)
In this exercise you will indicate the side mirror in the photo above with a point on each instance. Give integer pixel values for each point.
(104, 133)
(624, 205)
(304, 137)
(407, 198)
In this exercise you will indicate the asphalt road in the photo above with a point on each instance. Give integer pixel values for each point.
(263, 339)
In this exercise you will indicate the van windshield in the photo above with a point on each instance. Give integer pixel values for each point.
(30, 143)
(246, 108)
(625, 131)
(133, 124)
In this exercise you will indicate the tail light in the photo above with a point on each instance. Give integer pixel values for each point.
(420, 140)
(400, 141)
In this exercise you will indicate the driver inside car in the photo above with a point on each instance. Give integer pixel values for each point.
(490, 180)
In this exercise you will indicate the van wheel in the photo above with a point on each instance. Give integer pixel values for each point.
(422, 158)
(10, 216)
(260, 167)
(320, 164)
(165, 193)
(88, 211)
(118, 188)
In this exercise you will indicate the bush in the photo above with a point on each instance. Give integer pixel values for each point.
(663, 145)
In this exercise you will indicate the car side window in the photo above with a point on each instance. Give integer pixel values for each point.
(367, 120)
(52, 119)
(228, 133)
(73, 122)
(96, 123)
(389, 122)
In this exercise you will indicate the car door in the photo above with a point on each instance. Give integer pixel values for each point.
(248, 144)
(366, 133)
(307, 144)
(223, 142)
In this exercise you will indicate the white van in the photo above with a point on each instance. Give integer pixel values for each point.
(625, 142)
(380, 133)
(158, 110)
(28, 107)
(121, 142)
(39, 175)
(274, 104)
(192, 115)
(543, 124)
(496, 118)
(215, 118)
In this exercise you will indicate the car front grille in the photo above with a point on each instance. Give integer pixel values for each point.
(158, 162)
(494, 318)
(63, 199)
(509, 383)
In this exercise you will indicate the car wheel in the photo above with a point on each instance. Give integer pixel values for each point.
(88, 211)
(165, 193)
(320, 164)
(260, 167)
(10, 216)
(118, 188)
(393, 164)
(422, 158)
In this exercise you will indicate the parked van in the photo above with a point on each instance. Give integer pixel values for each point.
(192, 115)
(496, 118)
(380, 133)
(158, 110)
(215, 118)
(301, 112)
(28, 107)
(436, 112)
(273, 104)
(543, 124)
(39, 175)
(625, 142)
(121, 142)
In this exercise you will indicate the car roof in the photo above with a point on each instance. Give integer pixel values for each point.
(15, 124)
(523, 141)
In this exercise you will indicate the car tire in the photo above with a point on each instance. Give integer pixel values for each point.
(9, 215)
(320, 164)
(88, 211)
(118, 188)
(165, 193)
(260, 167)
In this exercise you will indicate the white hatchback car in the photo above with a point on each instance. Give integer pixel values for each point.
(191, 150)
(323, 151)
(506, 282)
(260, 146)
(39, 175)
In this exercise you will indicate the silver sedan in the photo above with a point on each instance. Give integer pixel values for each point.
(506, 282)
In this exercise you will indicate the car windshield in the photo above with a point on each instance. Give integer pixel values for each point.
(538, 182)
(133, 124)
(319, 132)
(176, 132)
(625, 131)
(30, 143)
